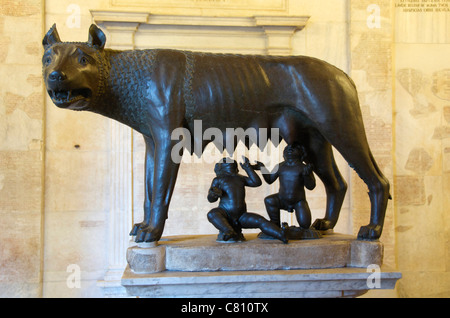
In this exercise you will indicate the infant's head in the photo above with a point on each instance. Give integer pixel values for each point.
(294, 151)
(226, 166)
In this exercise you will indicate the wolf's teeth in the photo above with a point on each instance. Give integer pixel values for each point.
(69, 93)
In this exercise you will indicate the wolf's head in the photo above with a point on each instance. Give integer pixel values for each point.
(73, 71)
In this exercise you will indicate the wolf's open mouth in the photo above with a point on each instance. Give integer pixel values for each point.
(63, 97)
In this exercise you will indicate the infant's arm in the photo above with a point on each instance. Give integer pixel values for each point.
(269, 176)
(214, 192)
(309, 179)
(253, 180)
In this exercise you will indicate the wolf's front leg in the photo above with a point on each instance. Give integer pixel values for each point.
(149, 170)
(165, 172)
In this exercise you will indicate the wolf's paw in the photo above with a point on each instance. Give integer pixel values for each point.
(370, 232)
(137, 227)
(145, 233)
(322, 225)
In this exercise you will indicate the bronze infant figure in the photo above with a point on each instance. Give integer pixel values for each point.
(231, 215)
(155, 91)
(294, 176)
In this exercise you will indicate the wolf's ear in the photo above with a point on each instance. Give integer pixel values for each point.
(96, 37)
(51, 37)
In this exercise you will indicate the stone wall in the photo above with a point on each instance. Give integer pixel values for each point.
(21, 149)
(422, 144)
(371, 70)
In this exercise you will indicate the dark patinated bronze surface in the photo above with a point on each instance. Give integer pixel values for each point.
(311, 102)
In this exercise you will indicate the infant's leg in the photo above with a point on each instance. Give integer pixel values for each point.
(303, 214)
(253, 220)
(218, 217)
(272, 203)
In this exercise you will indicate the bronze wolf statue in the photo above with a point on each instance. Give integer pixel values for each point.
(311, 102)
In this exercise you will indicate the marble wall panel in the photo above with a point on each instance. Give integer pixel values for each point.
(21, 149)
(20, 254)
(75, 131)
(371, 70)
(88, 255)
(76, 181)
(422, 177)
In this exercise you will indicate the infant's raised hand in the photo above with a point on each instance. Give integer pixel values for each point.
(246, 163)
(258, 165)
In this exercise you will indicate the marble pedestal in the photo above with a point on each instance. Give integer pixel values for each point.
(198, 266)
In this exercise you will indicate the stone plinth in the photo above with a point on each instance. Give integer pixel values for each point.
(203, 253)
(147, 259)
(335, 265)
(331, 282)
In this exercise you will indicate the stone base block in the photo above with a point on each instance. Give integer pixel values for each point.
(364, 253)
(147, 259)
(303, 283)
(203, 253)
(335, 265)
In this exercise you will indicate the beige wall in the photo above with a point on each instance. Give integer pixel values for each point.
(21, 149)
(55, 187)
(422, 140)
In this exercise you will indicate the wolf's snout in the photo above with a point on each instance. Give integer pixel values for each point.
(57, 76)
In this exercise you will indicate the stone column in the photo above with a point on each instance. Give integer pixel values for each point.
(279, 32)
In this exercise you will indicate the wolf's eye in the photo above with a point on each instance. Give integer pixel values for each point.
(47, 60)
(84, 60)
